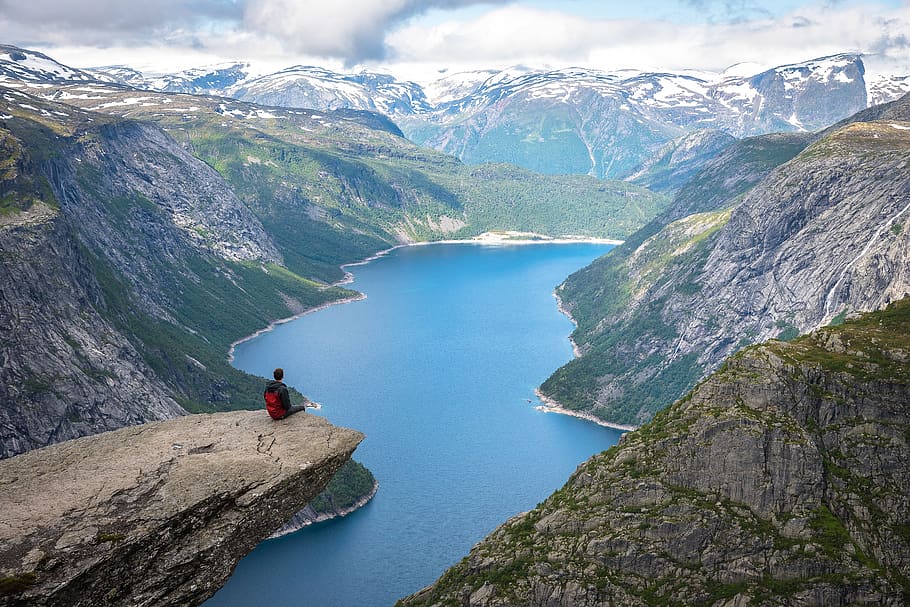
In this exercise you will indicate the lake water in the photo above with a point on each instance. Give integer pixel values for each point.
(438, 368)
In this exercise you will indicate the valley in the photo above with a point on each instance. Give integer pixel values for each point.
(751, 324)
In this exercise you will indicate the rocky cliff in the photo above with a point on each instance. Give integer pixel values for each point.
(157, 514)
(820, 237)
(120, 253)
(783, 479)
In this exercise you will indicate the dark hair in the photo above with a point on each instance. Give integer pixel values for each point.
(278, 373)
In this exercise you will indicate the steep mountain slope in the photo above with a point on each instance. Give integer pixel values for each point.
(820, 237)
(674, 164)
(121, 294)
(783, 479)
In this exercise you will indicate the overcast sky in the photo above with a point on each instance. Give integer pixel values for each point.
(419, 39)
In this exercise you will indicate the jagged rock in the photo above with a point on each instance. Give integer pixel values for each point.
(156, 514)
(782, 480)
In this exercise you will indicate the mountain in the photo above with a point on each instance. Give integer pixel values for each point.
(586, 121)
(142, 233)
(677, 161)
(21, 64)
(817, 239)
(782, 479)
(210, 80)
(121, 252)
(882, 89)
(582, 121)
(313, 87)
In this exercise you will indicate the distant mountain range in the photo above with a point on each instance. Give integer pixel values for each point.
(560, 121)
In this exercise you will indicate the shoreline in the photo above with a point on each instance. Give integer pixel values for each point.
(292, 527)
(551, 406)
(487, 238)
(576, 351)
(271, 326)
(500, 238)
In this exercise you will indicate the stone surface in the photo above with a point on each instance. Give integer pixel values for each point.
(781, 480)
(157, 514)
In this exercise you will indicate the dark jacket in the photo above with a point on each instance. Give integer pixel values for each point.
(277, 386)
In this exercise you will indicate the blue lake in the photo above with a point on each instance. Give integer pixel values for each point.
(438, 368)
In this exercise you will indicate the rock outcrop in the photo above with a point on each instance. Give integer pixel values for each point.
(781, 480)
(157, 514)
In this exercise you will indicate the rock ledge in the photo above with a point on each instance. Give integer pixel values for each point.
(157, 514)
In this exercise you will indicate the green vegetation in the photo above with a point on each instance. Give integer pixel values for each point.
(611, 290)
(839, 319)
(349, 485)
(20, 187)
(620, 301)
(110, 537)
(736, 170)
(14, 584)
(872, 341)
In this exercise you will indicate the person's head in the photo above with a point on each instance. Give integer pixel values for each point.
(278, 374)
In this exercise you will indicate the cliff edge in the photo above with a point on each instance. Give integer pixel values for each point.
(157, 514)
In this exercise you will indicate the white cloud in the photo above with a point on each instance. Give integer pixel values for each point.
(428, 35)
(516, 34)
(349, 29)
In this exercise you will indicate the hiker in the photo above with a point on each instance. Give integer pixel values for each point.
(277, 401)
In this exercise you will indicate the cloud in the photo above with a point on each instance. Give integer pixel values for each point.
(493, 34)
(354, 30)
(515, 34)
(109, 21)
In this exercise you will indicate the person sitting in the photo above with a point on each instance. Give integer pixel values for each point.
(277, 399)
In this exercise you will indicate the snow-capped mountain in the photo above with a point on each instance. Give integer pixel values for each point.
(606, 124)
(32, 66)
(573, 120)
(884, 88)
(208, 80)
(314, 87)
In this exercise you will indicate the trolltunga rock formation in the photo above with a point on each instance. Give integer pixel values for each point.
(157, 514)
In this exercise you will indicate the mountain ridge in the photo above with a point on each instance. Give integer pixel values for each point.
(817, 238)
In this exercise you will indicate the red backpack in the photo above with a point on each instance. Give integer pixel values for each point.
(273, 404)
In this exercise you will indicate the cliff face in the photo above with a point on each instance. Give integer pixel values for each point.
(821, 237)
(66, 371)
(156, 514)
(120, 252)
(783, 479)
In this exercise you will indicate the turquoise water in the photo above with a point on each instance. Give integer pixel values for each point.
(438, 368)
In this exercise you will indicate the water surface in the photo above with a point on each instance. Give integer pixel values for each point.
(438, 368)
